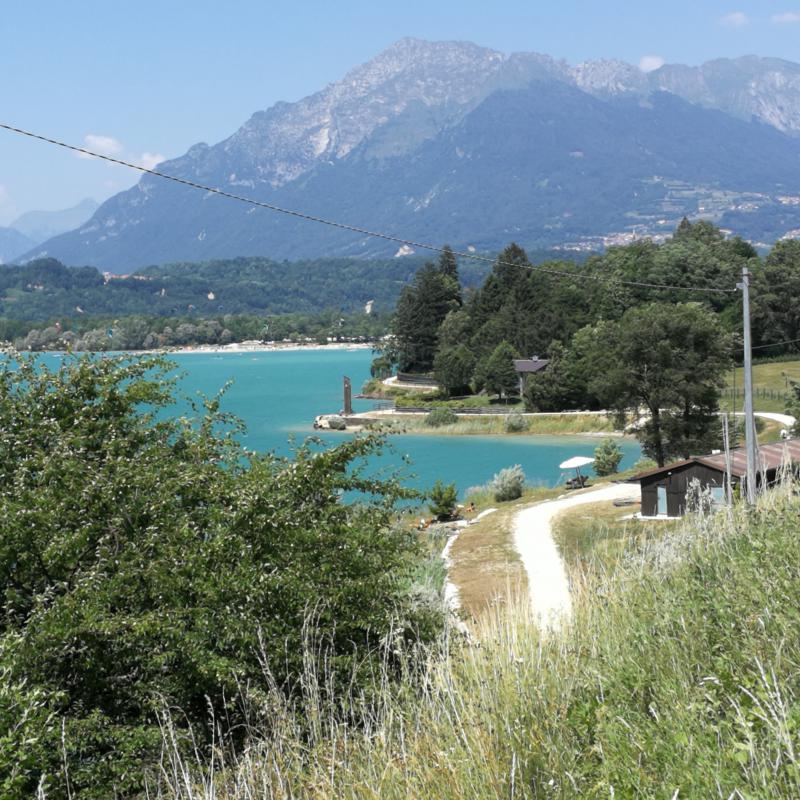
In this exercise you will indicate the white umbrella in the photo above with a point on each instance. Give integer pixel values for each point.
(577, 461)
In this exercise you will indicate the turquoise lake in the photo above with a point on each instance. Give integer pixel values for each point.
(278, 394)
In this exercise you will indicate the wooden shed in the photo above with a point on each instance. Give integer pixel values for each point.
(664, 488)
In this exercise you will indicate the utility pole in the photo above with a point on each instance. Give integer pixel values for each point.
(751, 446)
(727, 444)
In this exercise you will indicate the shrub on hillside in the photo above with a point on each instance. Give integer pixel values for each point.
(443, 499)
(607, 457)
(508, 484)
(516, 423)
(440, 417)
(149, 561)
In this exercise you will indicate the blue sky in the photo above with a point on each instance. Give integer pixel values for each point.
(149, 79)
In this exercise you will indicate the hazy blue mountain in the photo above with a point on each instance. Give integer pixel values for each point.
(38, 226)
(447, 141)
(13, 244)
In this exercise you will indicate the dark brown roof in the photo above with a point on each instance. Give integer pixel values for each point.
(527, 365)
(770, 456)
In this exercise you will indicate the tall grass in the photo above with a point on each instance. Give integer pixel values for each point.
(678, 677)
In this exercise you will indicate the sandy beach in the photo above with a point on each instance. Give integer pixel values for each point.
(255, 347)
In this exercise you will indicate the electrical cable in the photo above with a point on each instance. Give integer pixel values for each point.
(775, 344)
(354, 228)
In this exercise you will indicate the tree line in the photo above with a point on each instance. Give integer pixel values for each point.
(46, 288)
(137, 332)
(611, 343)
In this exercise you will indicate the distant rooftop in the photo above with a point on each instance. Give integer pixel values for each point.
(525, 366)
(770, 457)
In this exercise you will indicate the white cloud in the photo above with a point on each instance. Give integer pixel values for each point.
(3, 195)
(105, 145)
(650, 63)
(787, 18)
(736, 19)
(109, 146)
(149, 160)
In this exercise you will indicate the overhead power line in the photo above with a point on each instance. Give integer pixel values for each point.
(354, 228)
(775, 344)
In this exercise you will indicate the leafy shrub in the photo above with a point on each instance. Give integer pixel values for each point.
(439, 417)
(516, 423)
(508, 484)
(607, 457)
(443, 499)
(148, 560)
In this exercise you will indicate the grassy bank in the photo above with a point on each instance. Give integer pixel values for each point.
(597, 535)
(495, 425)
(678, 678)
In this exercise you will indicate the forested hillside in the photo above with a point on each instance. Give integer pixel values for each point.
(46, 289)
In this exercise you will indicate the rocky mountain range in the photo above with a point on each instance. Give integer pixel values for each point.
(448, 141)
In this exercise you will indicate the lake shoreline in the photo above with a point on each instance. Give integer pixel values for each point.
(247, 347)
(212, 349)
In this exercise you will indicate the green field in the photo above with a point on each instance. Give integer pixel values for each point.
(770, 385)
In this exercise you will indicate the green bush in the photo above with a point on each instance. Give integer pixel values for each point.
(643, 464)
(148, 561)
(516, 423)
(443, 499)
(434, 400)
(607, 457)
(508, 484)
(440, 417)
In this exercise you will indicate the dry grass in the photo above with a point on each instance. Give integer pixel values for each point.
(678, 679)
(770, 431)
(486, 568)
(597, 535)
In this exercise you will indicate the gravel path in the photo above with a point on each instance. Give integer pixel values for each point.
(533, 539)
(784, 419)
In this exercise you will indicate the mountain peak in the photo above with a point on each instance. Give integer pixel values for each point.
(420, 66)
(609, 76)
(289, 139)
(430, 137)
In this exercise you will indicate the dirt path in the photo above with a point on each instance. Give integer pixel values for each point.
(533, 539)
